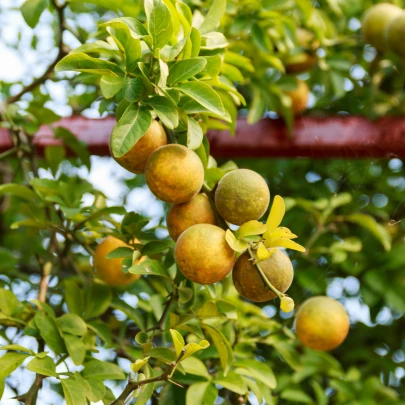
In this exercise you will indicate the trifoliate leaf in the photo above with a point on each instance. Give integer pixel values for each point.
(235, 244)
(285, 243)
(250, 228)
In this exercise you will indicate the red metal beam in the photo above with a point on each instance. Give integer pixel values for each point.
(314, 137)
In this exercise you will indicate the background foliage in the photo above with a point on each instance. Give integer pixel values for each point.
(349, 214)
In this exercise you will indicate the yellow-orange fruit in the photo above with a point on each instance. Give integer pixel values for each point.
(110, 270)
(203, 255)
(196, 211)
(247, 280)
(375, 22)
(174, 174)
(135, 160)
(300, 62)
(242, 195)
(299, 97)
(396, 34)
(322, 323)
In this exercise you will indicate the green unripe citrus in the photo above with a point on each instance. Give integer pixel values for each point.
(135, 160)
(203, 255)
(196, 211)
(375, 23)
(174, 174)
(322, 323)
(247, 280)
(396, 34)
(242, 195)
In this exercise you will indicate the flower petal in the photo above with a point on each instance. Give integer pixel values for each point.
(283, 233)
(285, 243)
(262, 253)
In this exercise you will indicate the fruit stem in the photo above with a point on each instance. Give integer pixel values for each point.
(263, 276)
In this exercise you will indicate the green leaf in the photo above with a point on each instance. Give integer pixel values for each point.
(156, 246)
(135, 367)
(213, 66)
(94, 388)
(149, 267)
(102, 330)
(147, 390)
(169, 53)
(49, 331)
(195, 366)
(74, 296)
(258, 370)
(208, 310)
(136, 28)
(235, 244)
(233, 382)
(130, 46)
(75, 348)
(54, 155)
(213, 17)
(121, 252)
(165, 109)
(8, 302)
(130, 128)
(159, 20)
(186, 69)
(250, 228)
(133, 89)
(223, 346)
(98, 300)
(18, 190)
(103, 370)
(44, 366)
(192, 348)
(203, 393)
(31, 10)
(239, 60)
(110, 85)
(194, 134)
(80, 62)
(18, 348)
(295, 395)
(204, 95)
(74, 392)
(371, 225)
(178, 341)
(9, 362)
(73, 324)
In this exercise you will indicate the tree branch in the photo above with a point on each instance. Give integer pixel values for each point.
(133, 385)
(30, 397)
(61, 53)
(162, 319)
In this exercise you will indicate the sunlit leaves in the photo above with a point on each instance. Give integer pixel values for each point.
(160, 25)
(31, 10)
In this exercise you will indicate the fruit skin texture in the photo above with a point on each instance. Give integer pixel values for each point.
(375, 22)
(110, 270)
(247, 280)
(196, 211)
(135, 160)
(203, 255)
(299, 97)
(242, 195)
(174, 174)
(322, 323)
(396, 34)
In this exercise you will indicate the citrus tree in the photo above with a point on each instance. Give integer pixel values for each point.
(102, 304)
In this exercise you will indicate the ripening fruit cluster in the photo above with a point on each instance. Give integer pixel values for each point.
(383, 27)
(203, 252)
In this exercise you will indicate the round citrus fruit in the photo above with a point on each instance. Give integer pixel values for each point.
(110, 270)
(203, 255)
(247, 280)
(242, 195)
(135, 160)
(322, 323)
(196, 211)
(299, 97)
(396, 34)
(300, 62)
(174, 174)
(375, 23)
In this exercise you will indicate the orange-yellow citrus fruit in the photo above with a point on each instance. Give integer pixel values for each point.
(322, 323)
(174, 174)
(247, 280)
(396, 34)
(242, 195)
(196, 211)
(135, 160)
(203, 255)
(299, 97)
(110, 270)
(300, 63)
(375, 22)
